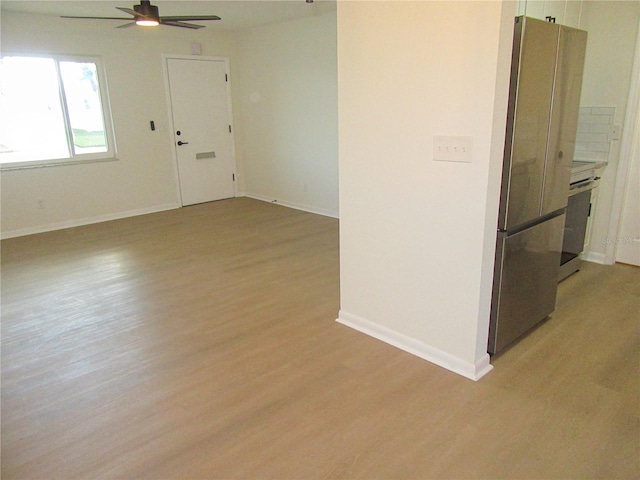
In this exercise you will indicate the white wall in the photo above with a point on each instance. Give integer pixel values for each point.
(611, 49)
(286, 107)
(142, 180)
(417, 237)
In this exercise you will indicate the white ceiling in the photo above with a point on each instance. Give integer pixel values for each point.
(236, 14)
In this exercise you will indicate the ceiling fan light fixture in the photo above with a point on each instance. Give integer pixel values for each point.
(147, 22)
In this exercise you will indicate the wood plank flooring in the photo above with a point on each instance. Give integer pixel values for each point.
(201, 343)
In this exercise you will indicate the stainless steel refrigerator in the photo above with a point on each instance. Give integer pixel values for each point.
(542, 117)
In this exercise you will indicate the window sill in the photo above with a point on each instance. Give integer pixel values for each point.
(51, 163)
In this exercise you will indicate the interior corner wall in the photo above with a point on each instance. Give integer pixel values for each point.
(415, 249)
(143, 178)
(284, 83)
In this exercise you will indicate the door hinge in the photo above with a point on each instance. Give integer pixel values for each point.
(233, 176)
(229, 128)
(226, 77)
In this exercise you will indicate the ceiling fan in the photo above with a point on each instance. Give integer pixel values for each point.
(148, 15)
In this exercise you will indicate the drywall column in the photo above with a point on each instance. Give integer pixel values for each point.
(417, 236)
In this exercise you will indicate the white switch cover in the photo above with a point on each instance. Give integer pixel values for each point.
(453, 149)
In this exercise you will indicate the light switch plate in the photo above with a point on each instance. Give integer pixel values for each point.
(453, 149)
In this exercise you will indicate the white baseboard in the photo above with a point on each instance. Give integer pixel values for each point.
(86, 221)
(594, 257)
(296, 206)
(474, 371)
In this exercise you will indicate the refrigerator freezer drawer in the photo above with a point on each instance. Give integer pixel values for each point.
(525, 281)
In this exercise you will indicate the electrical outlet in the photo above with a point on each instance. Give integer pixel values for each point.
(614, 132)
(452, 149)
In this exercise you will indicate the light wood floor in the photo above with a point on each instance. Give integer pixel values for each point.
(201, 343)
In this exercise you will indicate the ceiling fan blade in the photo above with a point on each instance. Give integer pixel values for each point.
(190, 17)
(131, 12)
(173, 23)
(127, 25)
(97, 18)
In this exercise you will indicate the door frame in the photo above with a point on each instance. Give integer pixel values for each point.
(167, 88)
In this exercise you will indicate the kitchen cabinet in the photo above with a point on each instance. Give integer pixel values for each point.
(556, 10)
(534, 8)
(566, 12)
(572, 13)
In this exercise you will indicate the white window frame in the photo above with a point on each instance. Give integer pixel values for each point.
(74, 158)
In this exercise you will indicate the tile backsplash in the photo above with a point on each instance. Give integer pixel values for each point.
(595, 132)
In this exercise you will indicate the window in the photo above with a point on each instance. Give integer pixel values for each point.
(53, 110)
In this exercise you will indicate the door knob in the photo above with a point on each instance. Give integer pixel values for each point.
(180, 143)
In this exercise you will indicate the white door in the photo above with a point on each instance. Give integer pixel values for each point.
(201, 129)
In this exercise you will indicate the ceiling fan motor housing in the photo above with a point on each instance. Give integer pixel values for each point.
(145, 8)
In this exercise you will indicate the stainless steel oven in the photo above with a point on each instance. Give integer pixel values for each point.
(583, 180)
